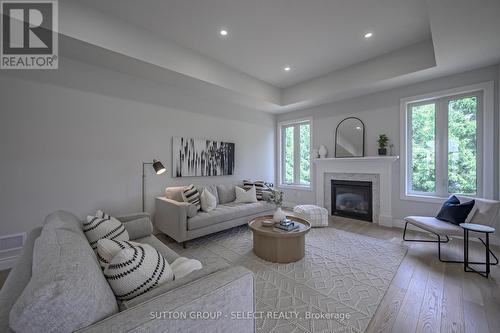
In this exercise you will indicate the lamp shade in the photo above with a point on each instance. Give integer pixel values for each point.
(158, 166)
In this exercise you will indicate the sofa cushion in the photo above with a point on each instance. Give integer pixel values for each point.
(227, 212)
(64, 220)
(174, 193)
(226, 194)
(65, 276)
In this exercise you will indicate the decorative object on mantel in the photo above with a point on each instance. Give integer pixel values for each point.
(323, 152)
(159, 169)
(276, 197)
(391, 149)
(382, 144)
(350, 138)
(201, 157)
(315, 153)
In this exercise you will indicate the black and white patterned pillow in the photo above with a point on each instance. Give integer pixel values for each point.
(136, 270)
(259, 187)
(107, 249)
(101, 226)
(192, 195)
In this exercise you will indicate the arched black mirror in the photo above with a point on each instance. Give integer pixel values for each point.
(350, 138)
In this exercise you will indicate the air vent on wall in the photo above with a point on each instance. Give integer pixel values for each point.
(11, 242)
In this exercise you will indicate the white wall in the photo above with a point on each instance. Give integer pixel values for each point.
(380, 113)
(75, 138)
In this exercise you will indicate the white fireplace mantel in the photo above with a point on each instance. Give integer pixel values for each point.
(380, 165)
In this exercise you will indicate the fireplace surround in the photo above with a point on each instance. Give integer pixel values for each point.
(377, 169)
(352, 199)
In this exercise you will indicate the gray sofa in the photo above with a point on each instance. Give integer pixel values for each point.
(182, 222)
(57, 286)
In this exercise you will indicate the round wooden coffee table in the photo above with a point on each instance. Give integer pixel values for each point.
(275, 245)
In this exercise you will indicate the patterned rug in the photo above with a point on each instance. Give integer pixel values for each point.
(337, 287)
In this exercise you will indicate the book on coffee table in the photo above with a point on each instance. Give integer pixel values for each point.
(289, 227)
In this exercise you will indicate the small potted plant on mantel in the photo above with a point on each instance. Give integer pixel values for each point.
(382, 144)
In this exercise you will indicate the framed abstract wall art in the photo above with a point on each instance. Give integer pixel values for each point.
(201, 157)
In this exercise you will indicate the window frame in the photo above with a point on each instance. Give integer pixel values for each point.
(281, 153)
(485, 127)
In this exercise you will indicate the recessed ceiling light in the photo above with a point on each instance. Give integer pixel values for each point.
(287, 68)
(223, 32)
(368, 35)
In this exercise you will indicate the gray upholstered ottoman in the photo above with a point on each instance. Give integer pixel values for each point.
(317, 216)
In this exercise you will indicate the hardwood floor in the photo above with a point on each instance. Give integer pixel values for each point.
(427, 295)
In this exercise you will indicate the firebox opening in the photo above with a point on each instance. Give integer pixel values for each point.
(352, 199)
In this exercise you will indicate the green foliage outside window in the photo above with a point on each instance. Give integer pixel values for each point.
(302, 156)
(462, 132)
(423, 122)
(305, 153)
(462, 146)
(289, 160)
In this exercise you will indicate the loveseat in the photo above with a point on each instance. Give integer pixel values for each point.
(181, 221)
(57, 286)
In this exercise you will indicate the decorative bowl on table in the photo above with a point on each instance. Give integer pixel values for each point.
(267, 223)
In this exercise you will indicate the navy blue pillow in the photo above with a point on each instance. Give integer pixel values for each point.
(455, 212)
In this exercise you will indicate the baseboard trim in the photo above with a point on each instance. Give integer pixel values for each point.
(385, 220)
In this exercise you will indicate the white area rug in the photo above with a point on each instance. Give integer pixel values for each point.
(342, 274)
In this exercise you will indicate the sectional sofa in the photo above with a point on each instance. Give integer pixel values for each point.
(57, 286)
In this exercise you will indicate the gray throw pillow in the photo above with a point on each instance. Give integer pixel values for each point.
(226, 193)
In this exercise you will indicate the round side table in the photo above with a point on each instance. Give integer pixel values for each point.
(276, 245)
(487, 231)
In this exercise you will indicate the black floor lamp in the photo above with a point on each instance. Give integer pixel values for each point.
(159, 169)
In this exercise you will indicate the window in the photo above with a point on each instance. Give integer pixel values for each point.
(295, 152)
(447, 143)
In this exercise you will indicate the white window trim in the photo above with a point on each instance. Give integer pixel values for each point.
(487, 138)
(280, 154)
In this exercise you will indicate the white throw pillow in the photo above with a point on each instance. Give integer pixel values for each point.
(243, 196)
(208, 201)
(107, 249)
(103, 226)
(183, 266)
(137, 270)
